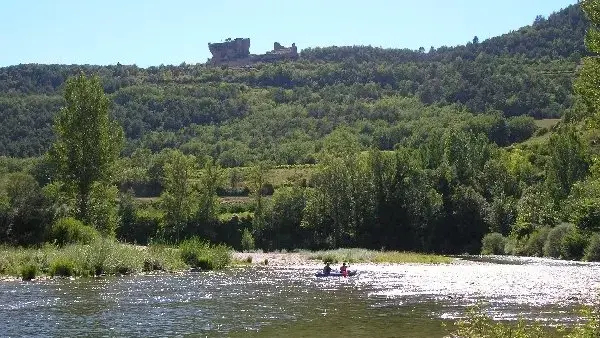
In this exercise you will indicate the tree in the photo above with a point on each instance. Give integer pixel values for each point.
(568, 162)
(587, 83)
(179, 197)
(88, 141)
(211, 178)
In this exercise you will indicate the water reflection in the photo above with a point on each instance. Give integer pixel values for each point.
(383, 300)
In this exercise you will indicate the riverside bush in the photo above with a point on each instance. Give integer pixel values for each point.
(592, 251)
(534, 246)
(573, 244)
(200, 254)
(64, 267)
(29, 271)
(477, 324)
(247, 241)
(552, 247)
(493, 244)
(69, 230)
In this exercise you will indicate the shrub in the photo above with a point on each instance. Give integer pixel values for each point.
(553, 245)
(493, 244)
(592, 251)
(199, 254)
(29, 271)
(248, 259)
(63, 267)
(247, 241)
(534, 246)
(511, 246)
(69, 230)
(573, 244)
(478, 324)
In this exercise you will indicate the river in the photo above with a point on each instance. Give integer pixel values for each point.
(381, 301)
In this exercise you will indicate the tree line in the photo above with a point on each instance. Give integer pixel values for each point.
(381, 170)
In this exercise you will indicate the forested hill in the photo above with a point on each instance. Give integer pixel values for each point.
(558, 36)
(280, 112)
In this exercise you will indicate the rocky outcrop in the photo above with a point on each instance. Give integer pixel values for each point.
(237, 53)
(230, 50)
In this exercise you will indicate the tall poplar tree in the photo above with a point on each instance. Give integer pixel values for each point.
(88, 141)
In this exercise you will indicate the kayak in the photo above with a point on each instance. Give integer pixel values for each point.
(335, 274)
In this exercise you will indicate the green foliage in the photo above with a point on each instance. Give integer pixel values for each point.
(69, 230)
(592, 251)
(211, 178)
(103, 209)
(178, 200)
(573, 244)
(247, 243)
(568, 162)
(554, 243)
(23, 209)
(373, 256)
(479, 325)
(62, 267)
(534, 246)
(493, 244)
(101, 257)
(88, 142)
(200, 254)
(583, 205)
(29, 272)
(144, 225)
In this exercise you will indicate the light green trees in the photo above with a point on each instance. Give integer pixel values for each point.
(88, 143)
(587, 84)
(179, 198)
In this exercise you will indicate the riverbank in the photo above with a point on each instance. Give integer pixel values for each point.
(108, 257)
(337, 256)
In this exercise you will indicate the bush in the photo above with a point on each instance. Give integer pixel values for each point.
(534, 246)
(592, 251)
(573, 244)
(63, 267)
(69, 230)
(553, 245)
(199, 254)
(247, 241)
(29, 271)
(493, 244)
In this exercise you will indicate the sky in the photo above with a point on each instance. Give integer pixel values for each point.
(155, 32)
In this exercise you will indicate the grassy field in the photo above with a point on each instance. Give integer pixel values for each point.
(546, 123)
(372, 256)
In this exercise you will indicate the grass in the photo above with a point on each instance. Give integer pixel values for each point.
(101, 257)
(202, 255)
(546, 123)
(372, 256)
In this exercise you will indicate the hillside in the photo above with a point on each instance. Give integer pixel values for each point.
(281, 112)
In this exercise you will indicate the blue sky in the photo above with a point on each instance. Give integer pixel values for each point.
(157, 32)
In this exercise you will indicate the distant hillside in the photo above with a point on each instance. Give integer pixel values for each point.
(281, 111)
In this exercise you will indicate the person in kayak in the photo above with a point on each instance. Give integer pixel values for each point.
(326, 269)
(344, 270)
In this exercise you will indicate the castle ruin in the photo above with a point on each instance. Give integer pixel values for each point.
(236, 52)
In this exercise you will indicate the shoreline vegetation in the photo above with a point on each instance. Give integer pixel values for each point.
(105, 257)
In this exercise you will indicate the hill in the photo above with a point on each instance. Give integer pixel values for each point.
(282, 111)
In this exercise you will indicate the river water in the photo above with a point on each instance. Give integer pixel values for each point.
(382, 301)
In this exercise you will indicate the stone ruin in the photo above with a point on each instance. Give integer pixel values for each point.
(236, 52)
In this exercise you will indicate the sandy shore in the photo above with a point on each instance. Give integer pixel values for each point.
(276, 258)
